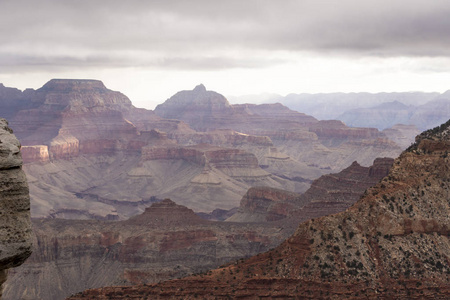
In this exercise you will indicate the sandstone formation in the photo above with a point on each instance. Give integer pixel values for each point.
(166, 241)
(15, 227)
(392, 244)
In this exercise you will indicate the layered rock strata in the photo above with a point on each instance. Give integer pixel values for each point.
(328, 194)
(166, 241)
(392, 244)
(15, 227)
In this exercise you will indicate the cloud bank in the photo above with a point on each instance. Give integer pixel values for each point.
(214, 35)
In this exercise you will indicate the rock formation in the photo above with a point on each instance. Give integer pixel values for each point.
(393, 243)
(329, 194)
(15, 227)
(164, 242)
(126, 249)
(88, 150)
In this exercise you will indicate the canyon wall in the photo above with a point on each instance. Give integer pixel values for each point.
(392, 244)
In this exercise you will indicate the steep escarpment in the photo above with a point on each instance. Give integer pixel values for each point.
(164, 242)
(15, 227)
(393, 243)
(73, 117)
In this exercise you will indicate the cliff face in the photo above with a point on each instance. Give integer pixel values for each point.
(15, 227)
(72, 117)
(393, 243)
(166, 241)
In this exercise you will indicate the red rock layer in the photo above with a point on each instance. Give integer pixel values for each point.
(203, 154)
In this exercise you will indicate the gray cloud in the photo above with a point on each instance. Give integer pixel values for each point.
(214, 34)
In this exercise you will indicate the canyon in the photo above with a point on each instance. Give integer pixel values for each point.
(392, 243)
(90, 154)
(240, 178)
(170, 241)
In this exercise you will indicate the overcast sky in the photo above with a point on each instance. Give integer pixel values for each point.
(151, 49)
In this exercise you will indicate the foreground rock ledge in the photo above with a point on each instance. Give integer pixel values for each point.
(15, 226)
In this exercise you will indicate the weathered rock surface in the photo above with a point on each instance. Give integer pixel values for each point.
(392, 244)
(15, 227)
(166, 241)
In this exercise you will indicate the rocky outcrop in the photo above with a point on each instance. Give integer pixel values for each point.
(276, 111)
(334, 193)
(36, 153)
(207, 110)
(222, 138)
(166, 241)
(337, 130)
(329, 194)
(15, 227)
(207, 156)
(73, 117)
(392, 244)
(200, 108)
(262, 204)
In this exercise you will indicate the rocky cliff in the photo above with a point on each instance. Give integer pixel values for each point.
(392, 244)
(15, 227)
(72, 117)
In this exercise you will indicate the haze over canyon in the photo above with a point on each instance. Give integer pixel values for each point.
(126, 196)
